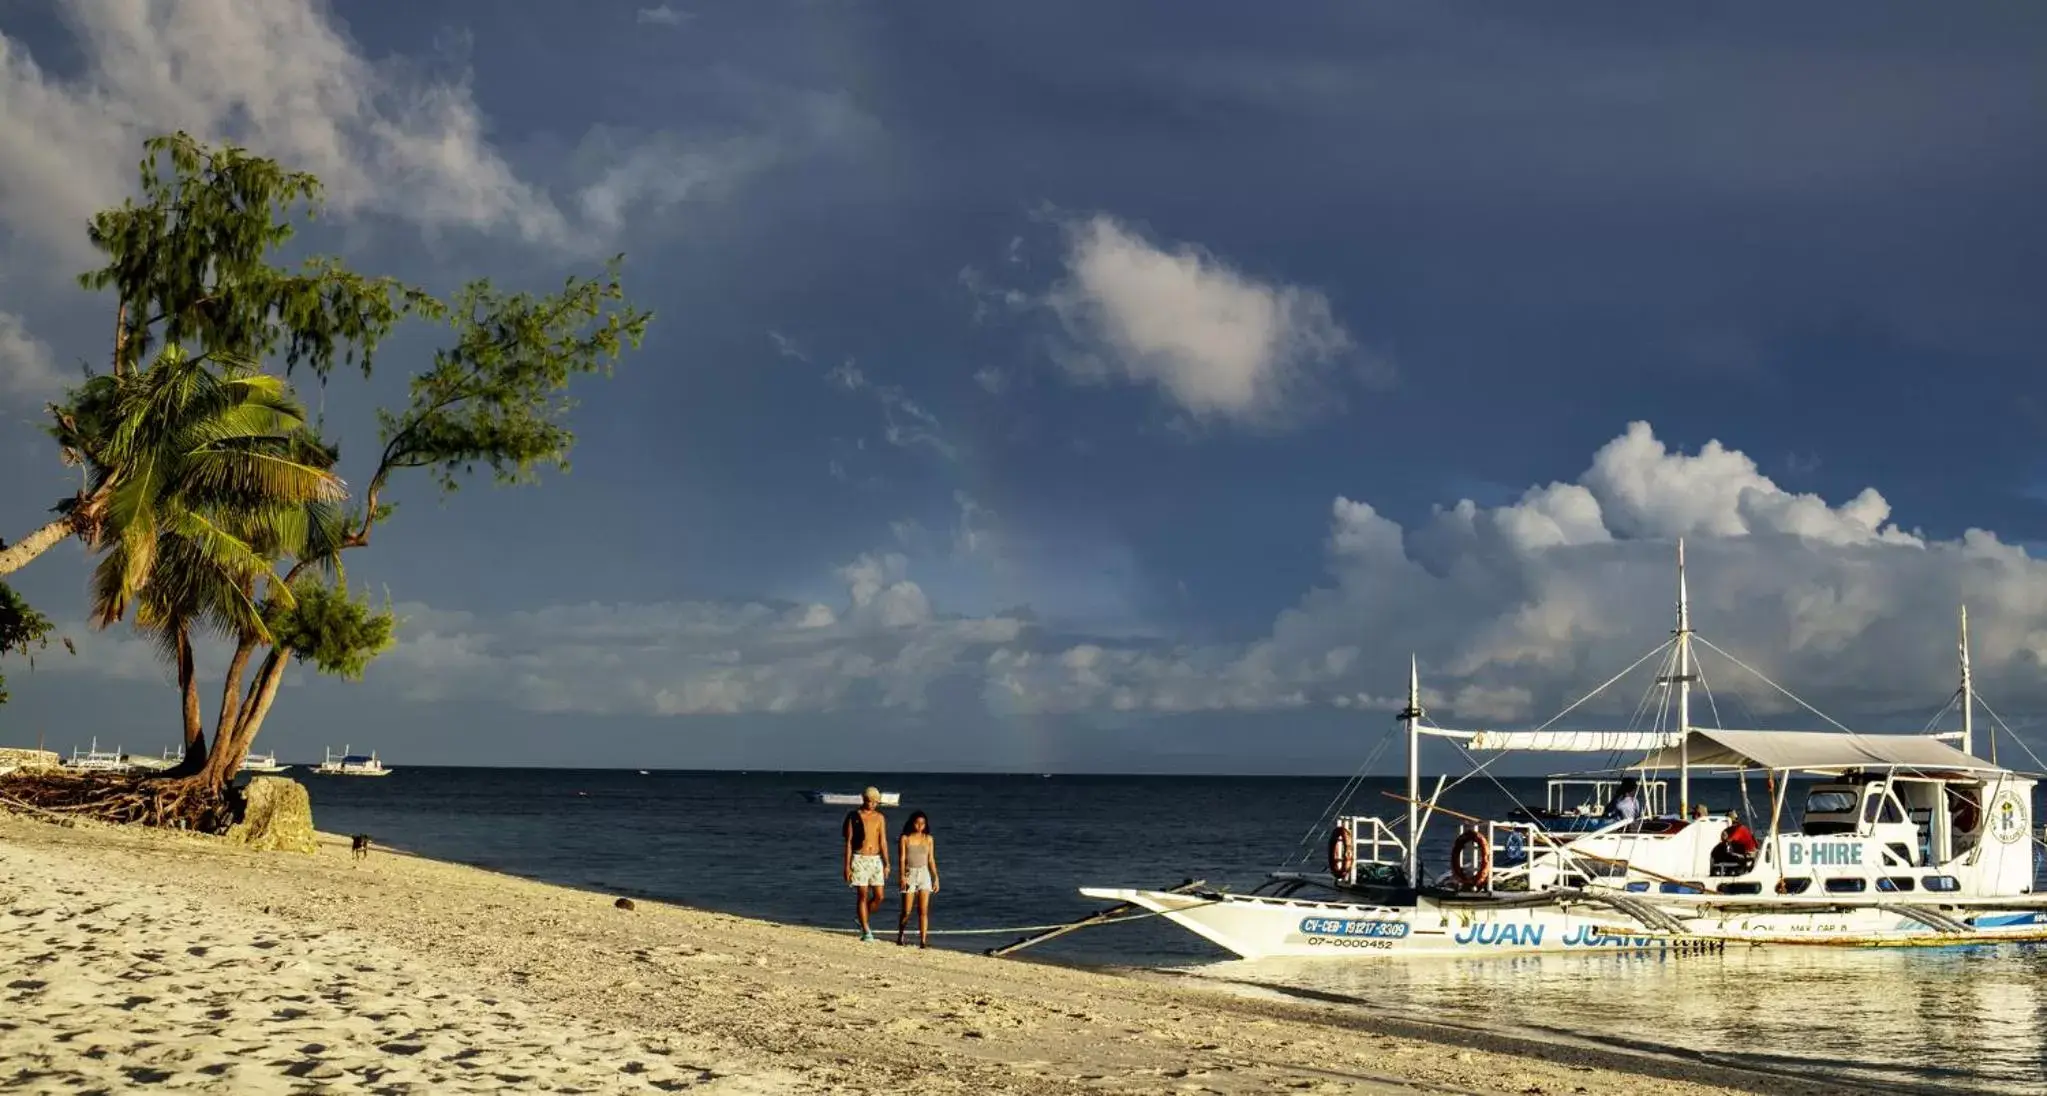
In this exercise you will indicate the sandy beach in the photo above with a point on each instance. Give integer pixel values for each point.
(137, 961)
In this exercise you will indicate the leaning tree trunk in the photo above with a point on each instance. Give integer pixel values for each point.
(16, 556)
(227, 758)
(188, 686)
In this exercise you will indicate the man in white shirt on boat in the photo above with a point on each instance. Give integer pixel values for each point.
(1627, 803)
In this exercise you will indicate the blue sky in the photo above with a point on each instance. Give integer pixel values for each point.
(1066, 387)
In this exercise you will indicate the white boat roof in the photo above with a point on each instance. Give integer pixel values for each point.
(1824, 751)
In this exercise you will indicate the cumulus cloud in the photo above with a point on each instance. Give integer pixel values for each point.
(1217, 343)
(882, 646)
(28, 368)
(1516, 609)
(388, 137)
(1513, 610)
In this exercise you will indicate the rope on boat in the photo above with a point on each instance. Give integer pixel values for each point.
(1026, 928)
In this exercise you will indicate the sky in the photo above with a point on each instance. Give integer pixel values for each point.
(1060, 387)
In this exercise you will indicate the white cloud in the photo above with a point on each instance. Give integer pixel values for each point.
(1513, 610)
(882, 647)
(1218, 343)
(905, 423)
(387, 137)
(662, 16)
(28, 368)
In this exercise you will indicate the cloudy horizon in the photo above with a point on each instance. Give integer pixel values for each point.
(1133, 401)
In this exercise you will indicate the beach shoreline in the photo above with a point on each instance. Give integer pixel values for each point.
(185, 963)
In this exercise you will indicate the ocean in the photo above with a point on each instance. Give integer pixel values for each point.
(1012, 851)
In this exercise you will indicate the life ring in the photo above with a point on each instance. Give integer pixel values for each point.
(1964, 812)
(1471, 878)
(1342, 858)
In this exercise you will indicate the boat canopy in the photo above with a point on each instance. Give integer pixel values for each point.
(1823, 751)
(1560, 741)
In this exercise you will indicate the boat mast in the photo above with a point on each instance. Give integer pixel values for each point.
(1968, 691)
(1684, 689)
(1412, 716)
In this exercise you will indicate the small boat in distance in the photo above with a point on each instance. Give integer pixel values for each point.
(851, 799)
(262, 763)
(96, 760)
(170, 757)
(350, 764)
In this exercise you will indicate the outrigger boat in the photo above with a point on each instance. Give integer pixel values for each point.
(1903, 841)
(350, 764)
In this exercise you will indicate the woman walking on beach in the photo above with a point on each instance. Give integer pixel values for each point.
(920, 876)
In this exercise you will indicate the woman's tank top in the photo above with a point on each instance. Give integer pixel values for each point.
(916, 854)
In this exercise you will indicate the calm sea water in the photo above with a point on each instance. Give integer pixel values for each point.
(1013, 850)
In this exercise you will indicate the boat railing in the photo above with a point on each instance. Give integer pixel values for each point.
(1375, 843)
(1519, 852)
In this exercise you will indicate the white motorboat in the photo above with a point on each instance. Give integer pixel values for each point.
(262, 763)
(852, 799)
(351, 764)
(96, 760)
(1903, 841)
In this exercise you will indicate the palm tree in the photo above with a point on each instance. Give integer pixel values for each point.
(164, 448)
(218, 479)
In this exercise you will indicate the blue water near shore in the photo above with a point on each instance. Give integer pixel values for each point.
(1014, 849)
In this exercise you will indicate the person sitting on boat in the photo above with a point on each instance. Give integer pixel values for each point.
(1627, 803)
(1736, 852)
(1698, 812)
(866, 833)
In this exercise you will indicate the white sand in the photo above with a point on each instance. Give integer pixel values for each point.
(137, 961)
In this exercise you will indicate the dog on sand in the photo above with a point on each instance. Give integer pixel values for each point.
(359, 846)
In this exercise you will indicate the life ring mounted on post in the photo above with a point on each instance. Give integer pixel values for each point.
(1342, 856)
(1472, 872)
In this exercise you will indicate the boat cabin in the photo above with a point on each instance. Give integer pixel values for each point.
(1890, 814)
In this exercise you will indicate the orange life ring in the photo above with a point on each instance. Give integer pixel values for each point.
(1342, 858)
(1471, 878)
(1964, 811)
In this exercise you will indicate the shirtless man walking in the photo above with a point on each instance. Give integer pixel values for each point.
(867, 857)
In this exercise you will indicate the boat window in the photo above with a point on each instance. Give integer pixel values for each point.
(1830, 802)
(1943, 883)
(1741, 888)
(1880, 807)
(1678, 888)
(1896, 883)
(1793, 886)
(1637, 888)
(1847, 886)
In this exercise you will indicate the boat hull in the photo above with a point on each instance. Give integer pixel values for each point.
(850, 799)
(1260, 927)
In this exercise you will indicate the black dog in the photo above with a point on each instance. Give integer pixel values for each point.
(359, 846)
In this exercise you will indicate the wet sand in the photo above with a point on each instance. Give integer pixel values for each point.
(138, 961)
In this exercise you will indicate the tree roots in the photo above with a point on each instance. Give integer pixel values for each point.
(189, 804)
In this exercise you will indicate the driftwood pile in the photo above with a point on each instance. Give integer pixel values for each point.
(166, 802)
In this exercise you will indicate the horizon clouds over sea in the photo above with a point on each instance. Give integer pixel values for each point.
(1047, 390)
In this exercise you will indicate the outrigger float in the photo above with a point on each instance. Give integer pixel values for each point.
(1903, 841)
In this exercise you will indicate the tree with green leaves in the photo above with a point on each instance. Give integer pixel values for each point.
(188, 263)
(497, 399)
(239, 481)
(23, 631)
(189, 267)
